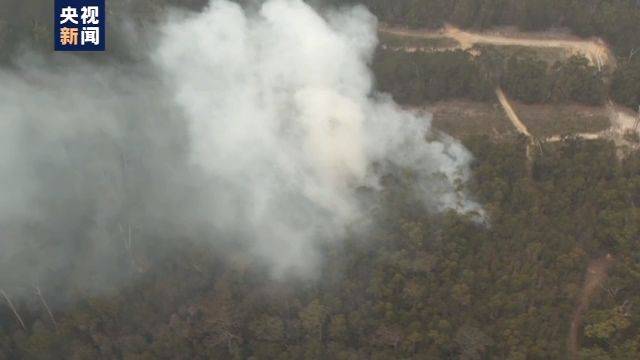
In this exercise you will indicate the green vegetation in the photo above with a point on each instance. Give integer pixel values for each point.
(418, 286)
(626, 82)
(532, 81)
(416, 78)
(616, 21)
(399, 41)
(547, 54)
(419, 77)
(526, 79)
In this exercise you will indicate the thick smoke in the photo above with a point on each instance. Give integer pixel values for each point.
(255, 128)
(280, 115)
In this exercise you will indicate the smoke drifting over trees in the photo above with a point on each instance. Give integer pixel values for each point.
(258, 130)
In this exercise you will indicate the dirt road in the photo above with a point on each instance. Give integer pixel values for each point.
(594, 278)
(622, 121)
(622, 118)
(593, 49)
(511, 114)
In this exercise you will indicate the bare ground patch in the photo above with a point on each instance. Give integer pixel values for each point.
(544, 121)
(594, 49)
(461, 118)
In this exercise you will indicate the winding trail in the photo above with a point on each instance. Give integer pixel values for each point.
(596, 276)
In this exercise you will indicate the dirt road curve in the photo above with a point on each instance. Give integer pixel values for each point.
(594, 49)
(594, 278)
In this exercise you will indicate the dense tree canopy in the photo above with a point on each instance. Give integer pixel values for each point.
(416, 78)
(417, 286)
(419, 77)
(625, 87)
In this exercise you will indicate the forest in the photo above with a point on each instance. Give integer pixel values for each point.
(616, 21)
(418, 284)
(419, 77)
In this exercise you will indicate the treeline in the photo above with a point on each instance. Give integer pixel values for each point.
(418, 286)
(533, 81)
(625, 87)
(617, 21)
(419, 77)
(415, 78)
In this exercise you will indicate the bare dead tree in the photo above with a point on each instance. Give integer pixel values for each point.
(46, 306)
(539, 144)
(15, 312)
(612, 291)
(128, 245)
(128, 242)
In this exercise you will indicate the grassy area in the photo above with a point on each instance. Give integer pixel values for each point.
(460, 118)
(548, 54)
(561, 119)
(397, 41)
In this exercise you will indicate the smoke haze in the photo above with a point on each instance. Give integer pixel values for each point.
(251, 127)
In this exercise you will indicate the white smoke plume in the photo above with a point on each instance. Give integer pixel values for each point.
(281, 114)
(251, 126)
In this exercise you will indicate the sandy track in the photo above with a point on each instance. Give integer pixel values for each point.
(596, 276)
(511, 114)
(594, 49)
(622, 120)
